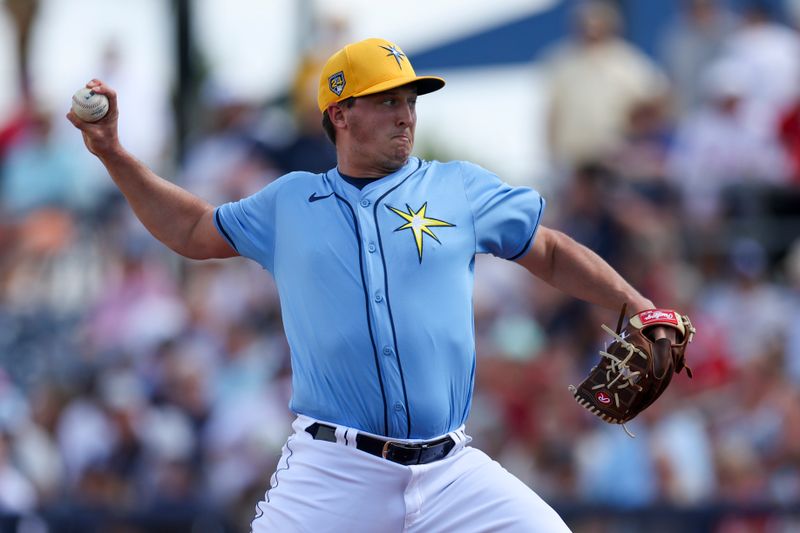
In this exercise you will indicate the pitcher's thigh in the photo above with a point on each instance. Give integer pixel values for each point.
(326, 487)
(478, 495)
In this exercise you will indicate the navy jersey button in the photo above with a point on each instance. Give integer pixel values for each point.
(364, 203)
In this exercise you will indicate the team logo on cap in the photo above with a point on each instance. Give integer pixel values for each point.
(396, 53)
(336, 83)
(418, 222)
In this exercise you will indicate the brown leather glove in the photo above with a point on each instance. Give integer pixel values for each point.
(635, 369)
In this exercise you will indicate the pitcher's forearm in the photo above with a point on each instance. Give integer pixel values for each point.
(584, 274)
(167, 211)
(576, 270)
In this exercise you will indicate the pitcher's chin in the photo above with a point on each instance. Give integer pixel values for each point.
(404, 147)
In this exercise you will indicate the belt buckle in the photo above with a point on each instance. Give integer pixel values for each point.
(418, 448)
(385, 451)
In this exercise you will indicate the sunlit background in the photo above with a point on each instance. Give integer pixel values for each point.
(141, 392)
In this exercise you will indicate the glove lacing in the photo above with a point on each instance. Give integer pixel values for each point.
(619, 369)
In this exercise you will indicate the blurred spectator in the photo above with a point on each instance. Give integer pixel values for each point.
(683, 453)
(792, 271)
(749, 430)
(690, 44)
(223, 162)
(589, 214)
(42, 171)
(752, 310)
(35, 446)
(302, 143)
(85, 437)
(785, 460)
(789, 119)
(15, 126)
(717, 146)
(607, 450)
(789, 136)
(767, 53)
(169, 449)
(17, 494)
(641, 159)
(595, 78)
(139, 309)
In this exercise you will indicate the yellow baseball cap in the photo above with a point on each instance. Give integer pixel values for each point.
(368, 67)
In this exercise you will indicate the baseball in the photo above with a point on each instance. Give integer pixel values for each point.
(89, 105)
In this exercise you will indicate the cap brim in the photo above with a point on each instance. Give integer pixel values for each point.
(425, 85)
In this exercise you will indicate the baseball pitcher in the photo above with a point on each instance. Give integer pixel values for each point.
(374, 264)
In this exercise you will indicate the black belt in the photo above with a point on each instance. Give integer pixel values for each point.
(404, 453)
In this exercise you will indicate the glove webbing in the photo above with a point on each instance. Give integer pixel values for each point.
(619, 366)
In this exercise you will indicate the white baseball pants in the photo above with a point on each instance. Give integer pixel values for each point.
(321, 487)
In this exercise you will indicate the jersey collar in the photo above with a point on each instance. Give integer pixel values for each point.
(374, 189)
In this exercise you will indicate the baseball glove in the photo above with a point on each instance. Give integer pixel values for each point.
(635, 369)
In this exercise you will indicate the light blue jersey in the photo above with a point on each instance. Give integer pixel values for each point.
(376, 286)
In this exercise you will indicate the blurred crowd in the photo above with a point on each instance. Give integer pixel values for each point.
(132, 379)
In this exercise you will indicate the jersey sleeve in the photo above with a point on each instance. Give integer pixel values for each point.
(249, 225)
(506, 218)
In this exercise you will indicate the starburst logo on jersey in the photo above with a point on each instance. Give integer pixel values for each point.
(396, 53)
(419, 223)
(337, 82)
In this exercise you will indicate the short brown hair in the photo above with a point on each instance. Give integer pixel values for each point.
(327, 125)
